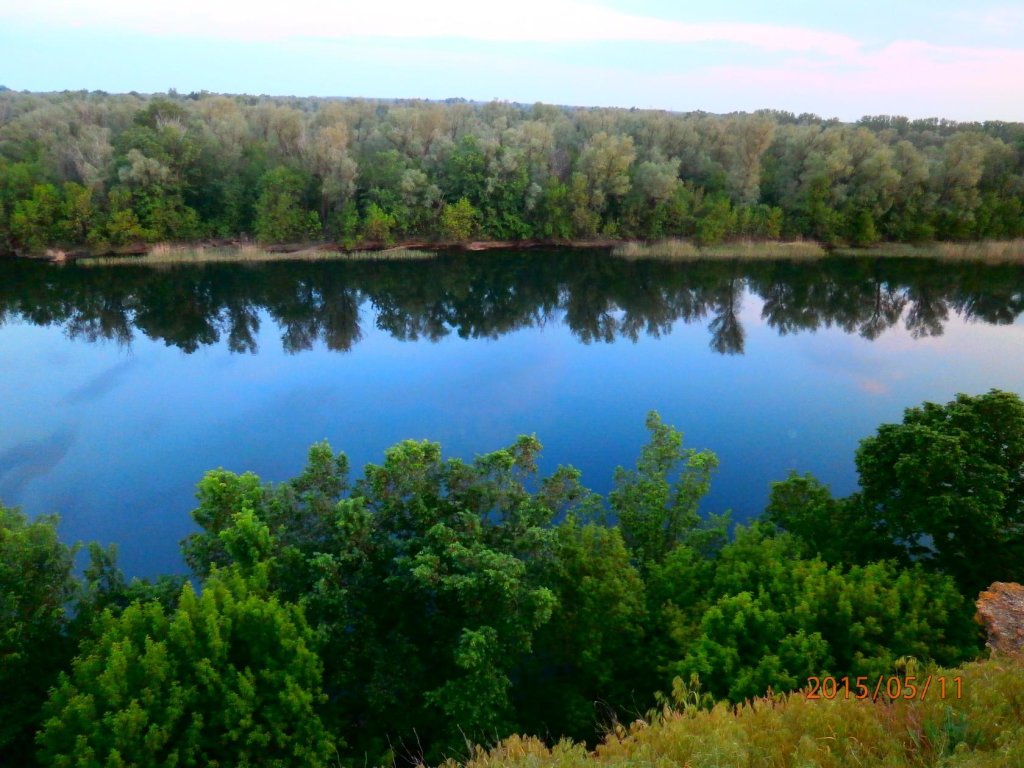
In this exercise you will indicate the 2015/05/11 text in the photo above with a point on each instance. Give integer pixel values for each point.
(892, 688)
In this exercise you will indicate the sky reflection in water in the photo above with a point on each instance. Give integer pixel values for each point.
(121, 386)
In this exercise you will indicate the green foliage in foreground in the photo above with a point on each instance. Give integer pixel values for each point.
(983, 727)
(227, 678)
(774, 618)
(944, 488)
(432, 604)
(948, 483)
(35, 585)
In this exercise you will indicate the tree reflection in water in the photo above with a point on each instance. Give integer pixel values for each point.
(599, 298)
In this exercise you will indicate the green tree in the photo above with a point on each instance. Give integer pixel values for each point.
(715, 220)
(103, 586)
(654, 184)
(35, 222)
(334, 168)
(421, 579)
(156, 192)
(947, 485)
(458, 220)
(280, 211)
(592, 649)
(655, 511)
(955, 181)
(836, 530)
(79, 217)
(16, 180)
(861, 228)
(465, 173)
(602, 179)
(36, 584)
(227, 678)
(123, 225)
(554, 214)
(777, 618)
(379, 225)
(344, 225)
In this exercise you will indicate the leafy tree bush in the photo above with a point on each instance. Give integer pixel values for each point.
(36, 583)
(418, 582)
(655, 513)
(458, 220)
(379, 225)
(836, 530)
(947, 485)
(943, 488)
(228, 677)
(780, 618)
(716, 219)
(280, 215)
(587, 662)
(123, 225)
(35, 221)
(433, 601)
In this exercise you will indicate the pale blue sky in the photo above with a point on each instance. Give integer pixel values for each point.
(921, 59)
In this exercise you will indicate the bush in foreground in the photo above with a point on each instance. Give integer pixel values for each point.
(228, 678)
(983, 728)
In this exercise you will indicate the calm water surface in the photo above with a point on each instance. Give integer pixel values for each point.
(120, 386)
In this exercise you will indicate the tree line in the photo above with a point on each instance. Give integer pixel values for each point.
(599, 300)
(89, 169)
(434, 603)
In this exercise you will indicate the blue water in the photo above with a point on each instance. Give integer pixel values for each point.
(113, 432)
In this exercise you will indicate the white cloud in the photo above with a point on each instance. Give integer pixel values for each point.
(791, 67)
(905, 77)
(1003, 21)
(554, 21)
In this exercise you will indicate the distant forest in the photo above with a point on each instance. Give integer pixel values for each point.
(90, 169)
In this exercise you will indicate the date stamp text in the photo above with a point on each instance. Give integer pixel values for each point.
(882, 687)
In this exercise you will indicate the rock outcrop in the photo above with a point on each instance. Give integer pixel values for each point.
(1001, 613)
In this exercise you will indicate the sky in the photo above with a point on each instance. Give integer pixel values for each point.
(930, 58)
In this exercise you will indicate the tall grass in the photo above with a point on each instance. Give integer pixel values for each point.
(993, 251)
(674, 250)
(165, 255)
(749, 249)
(683, 250)
(985, 251)
(983, 728)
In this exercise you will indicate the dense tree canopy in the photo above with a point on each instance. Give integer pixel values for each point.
(35, 584)
(433, 603)
(97, 170)
(229, 677)
(944, 488)
(948, 484)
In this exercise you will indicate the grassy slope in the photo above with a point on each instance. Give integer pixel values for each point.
(983, 729)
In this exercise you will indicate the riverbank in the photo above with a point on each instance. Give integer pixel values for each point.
(990, 251)
(243, 251)
(987, 251)
(170, 255)
(684, 250)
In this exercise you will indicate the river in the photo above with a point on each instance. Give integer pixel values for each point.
(120, 386)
